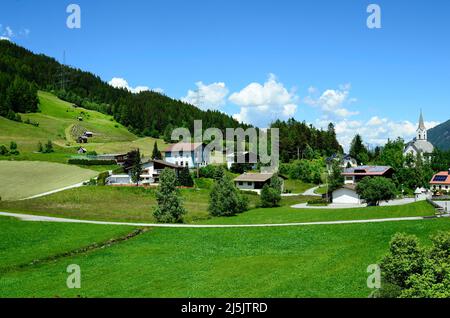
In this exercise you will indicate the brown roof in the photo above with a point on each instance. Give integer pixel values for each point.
(183, 146)
(366, 171)
(254, 177)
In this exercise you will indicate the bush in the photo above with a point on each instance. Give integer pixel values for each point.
(13, 148)
(212, 172)
(101, 179)
(309, 171)
(225, 199)
(3, 150)
(185, 178)
(48, 148)
(374, 190)
(91, 162)
(413, 271)
(320, 202)
(271, 193)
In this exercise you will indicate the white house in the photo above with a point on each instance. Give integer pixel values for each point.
(441, 181)
(420, 144)
(245, 157)
(345, 161)
(188, 155)
(150, 173)
(346, 195)
(255, 181)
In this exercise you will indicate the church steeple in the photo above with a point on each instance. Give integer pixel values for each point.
(421, 131)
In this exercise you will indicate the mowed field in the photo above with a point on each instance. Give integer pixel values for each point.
(297, 261)
(22, 179)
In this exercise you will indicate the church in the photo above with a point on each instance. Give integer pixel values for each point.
(420, 144)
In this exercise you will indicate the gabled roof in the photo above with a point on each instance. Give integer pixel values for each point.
(366, 171)
(184, 146)
(161, 162)
(256, 177)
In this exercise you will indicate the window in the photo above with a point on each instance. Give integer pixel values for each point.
(176, 162)
(182, 163)
(187, 164)
(241, 183)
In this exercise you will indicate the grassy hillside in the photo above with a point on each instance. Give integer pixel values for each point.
(58, 122)
(313, 261)
(22, 179)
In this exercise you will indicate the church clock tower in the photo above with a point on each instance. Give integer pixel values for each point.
(421, 131)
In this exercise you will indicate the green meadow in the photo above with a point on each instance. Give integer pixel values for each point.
(297, 261)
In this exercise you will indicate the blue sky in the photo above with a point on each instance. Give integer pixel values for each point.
(259, 60)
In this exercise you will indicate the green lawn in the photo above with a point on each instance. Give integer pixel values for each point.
(24, 242)
(290, 215)
(126, 204)
(321, 190)
(297, 186)
(308, 261)
(22, 179)
(133, 204)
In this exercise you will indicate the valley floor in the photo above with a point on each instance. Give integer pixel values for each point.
(319, 261)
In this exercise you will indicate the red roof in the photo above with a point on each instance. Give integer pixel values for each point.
(444, 178)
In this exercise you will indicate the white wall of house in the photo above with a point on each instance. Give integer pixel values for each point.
(410, 150)
(184, 160)
(119, 179)
(345, 196)
(349, 180)
(245, 185)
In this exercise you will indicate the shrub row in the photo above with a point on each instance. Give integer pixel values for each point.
(91, 162)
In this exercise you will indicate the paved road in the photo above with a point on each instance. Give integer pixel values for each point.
(332, 206)
(55, 191)
(310, 192)
(37, 218)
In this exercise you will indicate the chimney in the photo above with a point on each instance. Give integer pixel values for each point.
(449, 171)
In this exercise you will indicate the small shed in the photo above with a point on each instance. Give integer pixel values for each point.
(88, 134)
(255, 181)
(81, 150)
(82, 140)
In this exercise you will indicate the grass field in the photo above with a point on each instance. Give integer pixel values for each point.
(22, 179)
(297, 186)
(312, 261)
(132, 204)
(24, 242)
(56, 120)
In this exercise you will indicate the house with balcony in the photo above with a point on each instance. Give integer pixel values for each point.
(151, 171)
(191, 155)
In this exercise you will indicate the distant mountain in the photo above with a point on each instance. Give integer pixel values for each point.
(439, 136)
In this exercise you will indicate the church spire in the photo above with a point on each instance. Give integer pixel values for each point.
(421, 122)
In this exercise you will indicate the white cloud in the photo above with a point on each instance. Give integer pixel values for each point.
(332, 101)
(5, 38)
(207, 96)
(262, 103)
(375, 131)
(118, 82)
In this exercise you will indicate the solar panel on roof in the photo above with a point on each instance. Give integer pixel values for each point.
(440, 178)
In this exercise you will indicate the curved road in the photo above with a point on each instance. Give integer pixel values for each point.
(38, 218)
